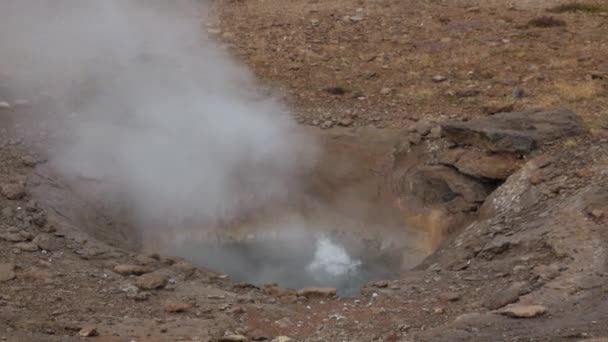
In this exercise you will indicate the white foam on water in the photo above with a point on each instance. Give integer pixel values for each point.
(332, 259)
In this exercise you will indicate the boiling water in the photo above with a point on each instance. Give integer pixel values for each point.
(296, 261)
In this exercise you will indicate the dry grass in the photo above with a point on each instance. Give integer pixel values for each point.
(546, 21)
(578, 7)
(576, 92)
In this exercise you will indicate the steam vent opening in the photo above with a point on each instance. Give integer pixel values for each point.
(298, 260)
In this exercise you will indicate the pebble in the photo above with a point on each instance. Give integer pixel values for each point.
(232, 338)
(5, 105)
(345, 122)
(175, 307)
(385, 91)
(7, 272)
(88, 332)
(523, 310)
(28, 161)
(327, 124)
(151, 281)
(125, 269)
(439, 78)
(13, 191)
(282, 339)
(317, 292)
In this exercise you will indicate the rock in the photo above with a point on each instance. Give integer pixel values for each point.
(598, 214)
(380, 284)
(519, 93)
(523, 310)
(435, 132)
(518, 132)
(174, 307)
(284, 323)
(14, 191)
(495, 107)
(310, 292)
(126, 270)
(258, 335)
(507, 295)
(345, 122)
(12, 237)
(232, 338)
(47, 242)
(5, 105)
(88, 331)
(484, 165)
(439, 78)
(27, 246)
(449, 296)
(39, 219)
(414, 138)
(282, 339)
(385, 91)
(28, 161)
(423, 127)
(327, 124)
(7, 272)
(467, 93)
(151, 281)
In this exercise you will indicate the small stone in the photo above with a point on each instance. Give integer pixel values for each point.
(13, 191)
(435, 132)
(126, 270)
(39, 219)
(47, 242)
(385, 91)
(449, 296)
(175, 307)
(345, 122)
(473, 9)
(7, 272)
(356, 18)
(151, 281)
(439, 78)
(381, 284)
(439, 310)
(317, 292)
(314, 22)
(28, 161)
(27, 246)
(467, 93)
(282, 339)
(523, 310)
(327, 124)
(284, 323)
(423, 127)
(414, 138)
(232, 338)
(519, 93)
(507, 295)
(12, 237)
(598, 214)
(5, 105)
(495, 107)
(88, 332)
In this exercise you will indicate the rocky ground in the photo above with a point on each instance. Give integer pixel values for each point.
(516, 204)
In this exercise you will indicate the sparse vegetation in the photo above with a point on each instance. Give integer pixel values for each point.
(578, 7)
(576, 92)
(546, 21)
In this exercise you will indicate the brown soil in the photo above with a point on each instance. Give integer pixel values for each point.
(373, 73)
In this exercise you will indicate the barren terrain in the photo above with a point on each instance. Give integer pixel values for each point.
(469, 138)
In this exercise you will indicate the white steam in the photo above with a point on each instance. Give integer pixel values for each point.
(155, 107)
(331, 259)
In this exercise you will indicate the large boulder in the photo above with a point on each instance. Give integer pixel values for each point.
(517, 132)
(441, 180)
